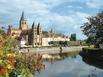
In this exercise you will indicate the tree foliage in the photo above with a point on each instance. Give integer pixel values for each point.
(93, 28)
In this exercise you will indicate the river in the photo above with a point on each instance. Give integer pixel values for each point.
(70, 66)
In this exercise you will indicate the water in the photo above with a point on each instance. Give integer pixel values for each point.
(71, 66)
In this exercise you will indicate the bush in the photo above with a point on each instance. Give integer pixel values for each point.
(74, 43)
(7, 54)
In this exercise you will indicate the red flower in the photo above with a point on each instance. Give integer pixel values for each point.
(2, 71)
(11, 58)
(1, 56)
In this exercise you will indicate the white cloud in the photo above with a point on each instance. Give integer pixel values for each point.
(94, 3)
(72, 7)
(82, 16)
(75, 27)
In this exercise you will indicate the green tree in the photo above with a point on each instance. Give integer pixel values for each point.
(90, 40)
(94, 28)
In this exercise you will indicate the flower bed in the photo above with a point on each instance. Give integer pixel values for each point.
(7, 62)
(7, 54)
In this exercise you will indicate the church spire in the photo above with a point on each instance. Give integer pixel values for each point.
(33, 25)
(38, 24)
(23, 22)
(38, 29)
(22, 16)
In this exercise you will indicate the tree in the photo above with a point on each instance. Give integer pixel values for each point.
(94, 28)
(90, 40)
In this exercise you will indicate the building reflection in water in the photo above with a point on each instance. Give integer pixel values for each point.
(58, 57)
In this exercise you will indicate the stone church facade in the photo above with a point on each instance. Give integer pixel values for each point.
(32, 36)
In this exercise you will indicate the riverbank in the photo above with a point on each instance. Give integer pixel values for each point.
(93, 56)
(53, 50)
(96, 53)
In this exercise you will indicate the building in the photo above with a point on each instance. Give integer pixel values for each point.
(34, 36)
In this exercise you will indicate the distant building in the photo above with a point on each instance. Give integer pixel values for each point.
(34, 36)
(73, 37)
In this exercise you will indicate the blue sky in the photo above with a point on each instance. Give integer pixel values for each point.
(64, 16)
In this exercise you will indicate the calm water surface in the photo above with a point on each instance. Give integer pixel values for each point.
(71, 66)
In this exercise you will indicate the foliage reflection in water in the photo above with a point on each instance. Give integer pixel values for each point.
(71, 66)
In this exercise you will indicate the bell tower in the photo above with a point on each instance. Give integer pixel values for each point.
(39, 35)
(36, 37)
(34, 34)
(23, 23)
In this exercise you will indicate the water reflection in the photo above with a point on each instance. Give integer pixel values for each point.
(70, 66)
(57, 57)
(96, 61)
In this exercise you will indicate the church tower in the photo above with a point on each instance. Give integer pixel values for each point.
(34, 35)
(50, 33)
(36, 40)
(23, 23)
(39, 35)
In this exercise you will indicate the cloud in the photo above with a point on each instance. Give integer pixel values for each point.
(94, 3)
(70, 23)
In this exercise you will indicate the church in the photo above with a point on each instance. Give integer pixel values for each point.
(34, 36)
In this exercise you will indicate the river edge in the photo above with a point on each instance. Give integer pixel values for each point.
(52, 50)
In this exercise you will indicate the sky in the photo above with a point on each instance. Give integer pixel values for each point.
(63, 16)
